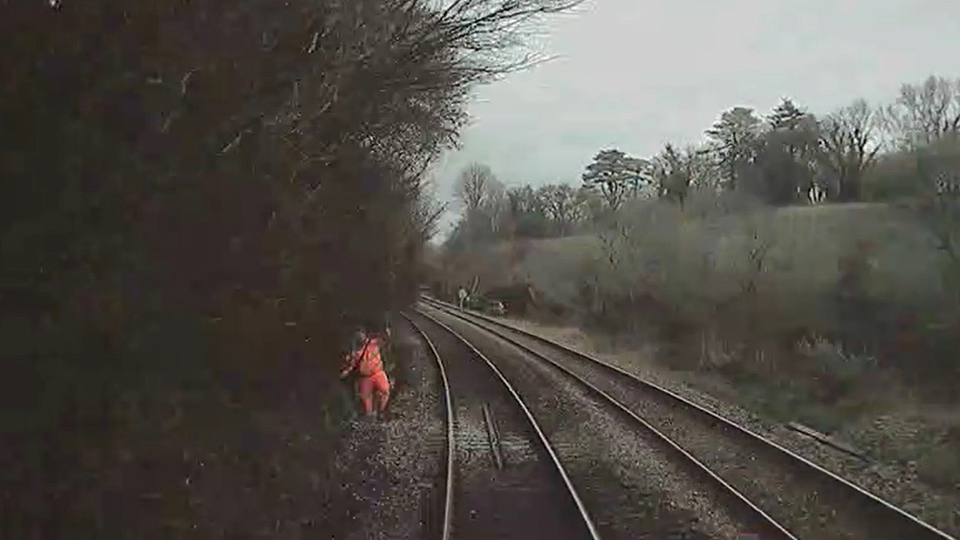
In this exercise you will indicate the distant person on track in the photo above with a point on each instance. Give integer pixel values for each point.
(373, 387)
(462, 297)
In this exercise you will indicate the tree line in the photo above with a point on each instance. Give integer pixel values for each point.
(860, 152)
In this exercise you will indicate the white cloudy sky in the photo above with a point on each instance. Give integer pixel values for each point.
(634, 74)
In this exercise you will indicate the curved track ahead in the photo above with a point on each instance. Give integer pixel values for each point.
(833, 506)
(637, 483)
(503, 479)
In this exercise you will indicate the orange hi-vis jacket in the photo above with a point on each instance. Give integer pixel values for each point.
(366, 360)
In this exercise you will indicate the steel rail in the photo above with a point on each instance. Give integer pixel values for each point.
(571, 490)
(451, 440)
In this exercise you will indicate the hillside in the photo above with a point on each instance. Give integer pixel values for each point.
(805, 245)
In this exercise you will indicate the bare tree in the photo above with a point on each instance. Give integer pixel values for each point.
(496, 207)
(482, 203)
(673, 174)
(475, 185)
(922, 113)
(848, 147)
(562, 204)
(703, 172)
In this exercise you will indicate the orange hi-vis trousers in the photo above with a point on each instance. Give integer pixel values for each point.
(374, 391)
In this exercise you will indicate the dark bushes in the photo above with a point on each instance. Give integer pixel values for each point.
(197, 199)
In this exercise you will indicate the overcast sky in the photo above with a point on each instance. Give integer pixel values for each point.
(634, 74)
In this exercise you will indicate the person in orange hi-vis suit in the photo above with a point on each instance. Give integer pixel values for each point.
(373, 387)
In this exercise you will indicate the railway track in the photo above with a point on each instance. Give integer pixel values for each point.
(502, 477)
(804, 499)
(634, 482)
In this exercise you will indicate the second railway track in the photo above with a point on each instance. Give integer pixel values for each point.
(813, 503)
